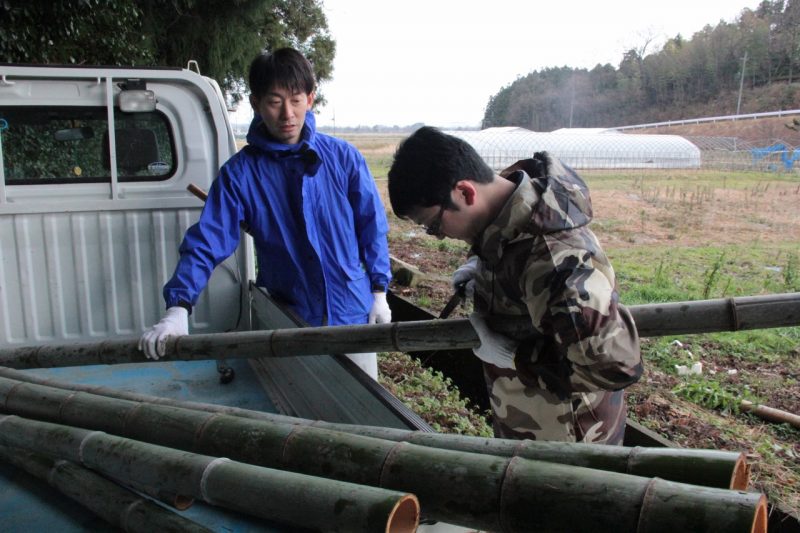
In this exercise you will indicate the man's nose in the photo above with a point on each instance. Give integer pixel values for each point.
(286, 110)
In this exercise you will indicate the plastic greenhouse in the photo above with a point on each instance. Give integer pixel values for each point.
(583, 148)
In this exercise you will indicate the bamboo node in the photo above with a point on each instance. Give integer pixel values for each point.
(64, 403)
(206, 473)
(85, 439)
(198, 436)
(647, 499)
(387, 461)
(9, 393)
(290, 437)
(124, 516)
(394, 335)
(508, 473)
(130, 414)
(734, 314)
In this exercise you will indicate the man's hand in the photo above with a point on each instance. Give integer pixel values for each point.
(463, 276)
(380, 312)
(175, 323)
(495, 349)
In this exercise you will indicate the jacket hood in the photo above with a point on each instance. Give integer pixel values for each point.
(550, 197)
(563, 200)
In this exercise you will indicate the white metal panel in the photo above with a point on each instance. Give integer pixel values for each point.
(94, 275)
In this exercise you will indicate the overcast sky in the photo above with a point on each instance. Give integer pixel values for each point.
(439, 61)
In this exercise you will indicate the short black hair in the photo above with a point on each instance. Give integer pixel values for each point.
(426, 167)
(285, 68)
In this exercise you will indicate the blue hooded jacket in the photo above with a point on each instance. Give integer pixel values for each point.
(316, 218)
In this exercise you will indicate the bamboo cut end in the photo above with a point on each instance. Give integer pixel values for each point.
(181, 503)
(404, 516)
(740, 478)
(760, 520)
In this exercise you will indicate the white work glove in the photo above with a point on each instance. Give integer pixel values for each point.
(495, 349)
(175, 323)
(380, 312)
(465, 275)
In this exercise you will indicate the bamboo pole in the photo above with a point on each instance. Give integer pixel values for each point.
(770, 413)
(723, 314)
(115, 504)
(401, 336)
(457, 487)
(713, 468)
(730, 314)
(286, 497)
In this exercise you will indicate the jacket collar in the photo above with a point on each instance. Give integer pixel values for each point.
(257, 136)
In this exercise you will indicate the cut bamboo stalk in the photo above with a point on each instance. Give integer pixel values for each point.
(711, 468)
(664, 506)
(457, 487)
(286, 497)
(115, 504)
(770, 413)
(425, 335)
(110, 409)
(723, 314)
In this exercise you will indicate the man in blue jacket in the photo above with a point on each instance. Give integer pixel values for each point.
(312, 207)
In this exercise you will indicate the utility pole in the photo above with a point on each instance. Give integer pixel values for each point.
(572, 100)
(741, 83)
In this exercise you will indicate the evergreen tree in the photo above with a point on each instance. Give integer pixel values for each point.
(223, 36)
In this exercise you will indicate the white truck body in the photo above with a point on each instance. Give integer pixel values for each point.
(94, 169)
(84, 256)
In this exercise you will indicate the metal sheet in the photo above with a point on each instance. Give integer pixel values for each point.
(27, 504)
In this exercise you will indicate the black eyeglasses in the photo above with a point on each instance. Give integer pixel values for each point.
(435, 226)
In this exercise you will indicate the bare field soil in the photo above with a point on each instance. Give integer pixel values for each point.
(660, 214)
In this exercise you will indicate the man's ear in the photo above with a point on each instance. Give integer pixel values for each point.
(254, 103)
(311, 97)
(466, 190)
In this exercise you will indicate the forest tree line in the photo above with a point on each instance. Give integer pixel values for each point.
(686, 78)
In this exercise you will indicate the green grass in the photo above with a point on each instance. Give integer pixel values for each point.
(431, 395)
(684, 181)
(650, 274)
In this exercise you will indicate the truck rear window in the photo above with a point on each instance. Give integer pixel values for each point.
(70, 145)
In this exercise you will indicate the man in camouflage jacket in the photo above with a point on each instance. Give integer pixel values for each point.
(533, 255)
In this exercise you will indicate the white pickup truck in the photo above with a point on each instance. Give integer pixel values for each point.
(93, 206)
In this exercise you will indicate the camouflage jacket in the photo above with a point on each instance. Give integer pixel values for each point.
(539, 258)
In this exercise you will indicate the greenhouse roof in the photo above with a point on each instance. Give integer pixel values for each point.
(583, 147)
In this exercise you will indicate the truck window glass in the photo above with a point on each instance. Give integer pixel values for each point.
(70, 145)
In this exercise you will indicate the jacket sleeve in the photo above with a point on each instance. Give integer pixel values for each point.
(370, 223)
(207, 243)
(589, 340)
